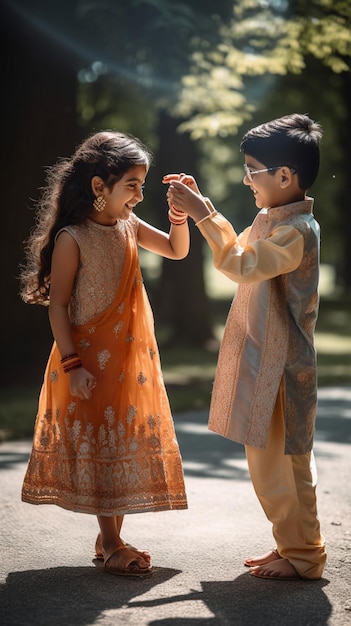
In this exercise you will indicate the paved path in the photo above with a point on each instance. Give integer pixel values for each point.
(49, 579)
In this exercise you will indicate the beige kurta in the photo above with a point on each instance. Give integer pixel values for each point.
(270, 326)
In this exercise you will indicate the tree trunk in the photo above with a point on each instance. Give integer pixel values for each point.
(181, 301)
(39, 125)
(344, 198)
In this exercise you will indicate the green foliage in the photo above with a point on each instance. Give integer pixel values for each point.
(263, 38)
(140, 51)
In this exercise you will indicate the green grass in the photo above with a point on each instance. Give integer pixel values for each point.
(333, 342)
(17, 412)
(189, 372)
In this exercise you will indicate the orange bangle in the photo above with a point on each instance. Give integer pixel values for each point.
(71, 362)
(177, 220)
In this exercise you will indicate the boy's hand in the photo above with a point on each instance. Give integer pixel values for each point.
(185, 199)
(187, 180)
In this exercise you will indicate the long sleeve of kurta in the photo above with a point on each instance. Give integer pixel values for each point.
(268, 334)
(281, 252)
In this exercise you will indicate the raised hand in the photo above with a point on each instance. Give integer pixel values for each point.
(186, 179)
(185, 199)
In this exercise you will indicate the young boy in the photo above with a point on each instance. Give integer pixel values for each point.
(265, 390)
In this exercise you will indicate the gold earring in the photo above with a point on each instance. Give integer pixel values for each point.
(99, 203)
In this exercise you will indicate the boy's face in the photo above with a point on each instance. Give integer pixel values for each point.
(271, 188)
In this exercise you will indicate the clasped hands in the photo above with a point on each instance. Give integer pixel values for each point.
(185, 195)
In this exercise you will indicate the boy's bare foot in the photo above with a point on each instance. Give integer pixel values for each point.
(268, 557)
(280, 569)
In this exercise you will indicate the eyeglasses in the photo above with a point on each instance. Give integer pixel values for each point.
(250, 173)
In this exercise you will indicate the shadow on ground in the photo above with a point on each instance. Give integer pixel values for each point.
(79, 596)
(245, 601)
(73, 596)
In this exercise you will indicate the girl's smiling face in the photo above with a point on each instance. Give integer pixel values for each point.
(120, 199)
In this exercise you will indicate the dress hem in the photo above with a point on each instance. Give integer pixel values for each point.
(150, 508)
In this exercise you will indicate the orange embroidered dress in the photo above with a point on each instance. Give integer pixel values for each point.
(116, 453)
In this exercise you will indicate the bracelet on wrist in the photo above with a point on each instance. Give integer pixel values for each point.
(71, 362)
(175, 219)
(74, 366)
(69, 356)
(177, 211)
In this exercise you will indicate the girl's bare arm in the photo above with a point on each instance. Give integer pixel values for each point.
(172, 245)
(64, 266)
(65, 262)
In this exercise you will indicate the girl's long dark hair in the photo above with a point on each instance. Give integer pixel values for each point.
(67, 199)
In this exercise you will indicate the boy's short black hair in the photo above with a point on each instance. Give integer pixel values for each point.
(292, 140)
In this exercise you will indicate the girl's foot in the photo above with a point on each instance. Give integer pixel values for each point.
(140, 553)
(280, 569)
(270, 556)
(123, 561)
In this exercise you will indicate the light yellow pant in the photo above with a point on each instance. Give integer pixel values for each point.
(286, 488)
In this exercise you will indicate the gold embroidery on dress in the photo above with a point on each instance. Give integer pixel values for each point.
(105, 456)
(84, 343)
(103, 358)
(141, 378)
(118, 327)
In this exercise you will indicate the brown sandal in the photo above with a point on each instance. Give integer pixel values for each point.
(99, 552)
(130, 568)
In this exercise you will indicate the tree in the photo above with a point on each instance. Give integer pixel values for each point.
(142, 46)
(262, 39)
(39, 123)
(263, 43)
(155, 68)
(164, 32)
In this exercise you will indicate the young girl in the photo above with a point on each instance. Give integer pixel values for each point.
(104, 439)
